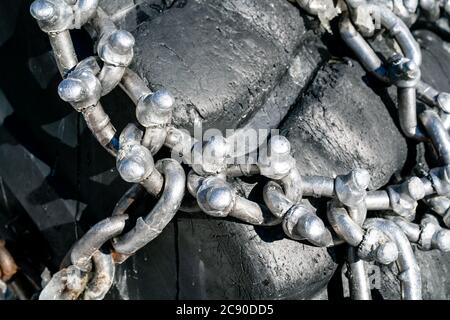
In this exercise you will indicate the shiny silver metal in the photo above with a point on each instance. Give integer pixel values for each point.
(393, 24)
(64, 51)
(276, 200)
(114, 48)
(210, 158)
(440, 177)
(156, 133)
(379, 240)
(56, 18)
(403, 71)
(376, 246)
(441, 206)
(134, 86)
(343, 225)
(181, 143)
(276, 162)
(437, 133)
(432, 235)
(405, 74)
(217, 198)
(432, 97)
(350, 189)
(411, 230)
(408, 113)
(152, 225)
(253, 213)
(377, 200)
(404, 197)
(318, 187)
(82, 89)
(428, 186)
(301, 223)
(363, 51)
(398, 29)
(135, 162)
(410, 278)
(83, 250)
(357, 276)
(244, 169)
(153, 110)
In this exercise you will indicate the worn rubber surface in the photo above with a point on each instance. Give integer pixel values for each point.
(342, 124)
(221, 59)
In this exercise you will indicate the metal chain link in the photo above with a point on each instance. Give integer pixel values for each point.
(91, 270)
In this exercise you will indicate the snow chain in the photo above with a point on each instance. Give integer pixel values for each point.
(90, 273)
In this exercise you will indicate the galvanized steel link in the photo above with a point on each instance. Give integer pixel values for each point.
(386, 240)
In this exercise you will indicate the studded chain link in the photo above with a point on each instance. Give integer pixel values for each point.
(90, 272)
